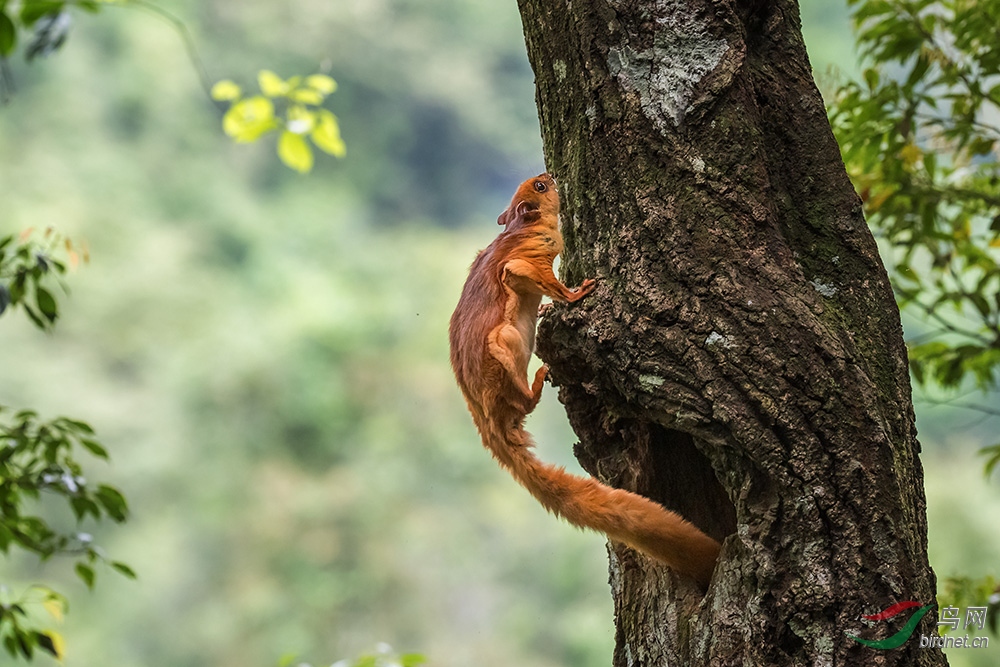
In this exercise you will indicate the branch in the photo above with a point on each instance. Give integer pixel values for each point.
(934, 315)
(993, 412)
(941, 121)
(185, 34)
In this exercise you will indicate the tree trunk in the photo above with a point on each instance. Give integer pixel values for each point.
(741, 360)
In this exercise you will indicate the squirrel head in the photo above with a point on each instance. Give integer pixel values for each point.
(538, 194)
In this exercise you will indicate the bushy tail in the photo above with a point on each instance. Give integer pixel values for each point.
(622, 515)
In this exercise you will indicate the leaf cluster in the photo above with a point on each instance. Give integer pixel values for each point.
(292, 108)
(41, 457)
(28, 268)
(46, 22)
(22, 631)
(920, 141)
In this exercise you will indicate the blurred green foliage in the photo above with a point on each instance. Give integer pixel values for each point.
(40, 457)
(921, 140)
(266, 355)
(965, 592)
(383, 656)
(26, 622)
(28, 269)
(42, 25)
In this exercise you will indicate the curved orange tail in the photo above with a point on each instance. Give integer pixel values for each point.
(621, 515)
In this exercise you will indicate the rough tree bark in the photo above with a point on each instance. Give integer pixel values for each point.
(742, 359)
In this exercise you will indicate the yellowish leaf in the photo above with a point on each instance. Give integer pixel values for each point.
(306, 96)
(910, 154)
(322, 83)
(294, 152)
(58, 644)
(326, 134)
(271, 84)
(876, 200)
(55, 608)
(300, 120)
(249, 119)
(226, 91)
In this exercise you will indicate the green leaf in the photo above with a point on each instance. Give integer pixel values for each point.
(4, 298)
(86, 574)
(412, 659)
(906, 272)
(113, 502)
(95, 448)
(75, 425)
(36, 9)
(271, 84)
(82, 506)
(124, 569)
(36, 320)
(24, 640)
(871, 78)
(8, 35)
(294, 152)
(979, 301)
(46, 304)
(51, 642)
(993, 454)
(226, 91)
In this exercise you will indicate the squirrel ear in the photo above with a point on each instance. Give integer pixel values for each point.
(504, 218)
(527, 212)
(523, 207)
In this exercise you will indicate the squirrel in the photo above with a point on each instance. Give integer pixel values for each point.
(492, 336)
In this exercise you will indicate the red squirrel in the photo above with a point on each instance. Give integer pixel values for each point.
(492, 336)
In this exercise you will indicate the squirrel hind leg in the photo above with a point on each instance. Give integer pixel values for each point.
(506, 345)
(536, 387)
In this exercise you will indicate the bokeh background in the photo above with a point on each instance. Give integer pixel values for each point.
(265, 353)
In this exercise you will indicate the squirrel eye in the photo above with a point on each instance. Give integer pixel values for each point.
(540, 186)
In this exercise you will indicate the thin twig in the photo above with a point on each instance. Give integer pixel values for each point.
(916, 340)
(934, 315)
(186, 37)
(992, 412)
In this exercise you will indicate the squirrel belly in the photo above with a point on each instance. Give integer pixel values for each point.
(492, 335)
